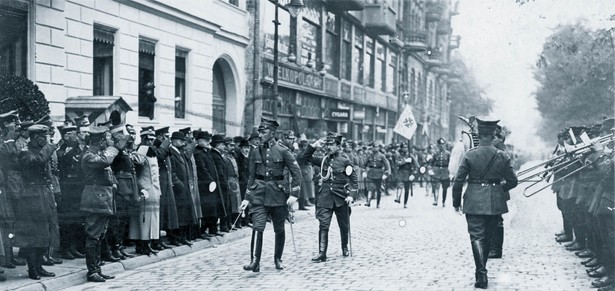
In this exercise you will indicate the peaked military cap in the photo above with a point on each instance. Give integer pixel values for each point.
(267, 123)
(98, 133)
(147, 131)
(253, 135)
(441, 141)
(130, 129)
(185, 131)
(105, 124)
(289, 134)
(486, 126)
(162, 130)
(25, 124)
(333, 138)
(38, 128)
(117, 128)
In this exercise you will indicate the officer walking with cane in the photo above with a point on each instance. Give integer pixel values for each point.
(338, 191)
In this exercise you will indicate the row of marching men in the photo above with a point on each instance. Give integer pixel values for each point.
(582, 176)
(111, 192)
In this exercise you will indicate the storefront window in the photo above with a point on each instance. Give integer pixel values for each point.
(180, 83)
(369, 61)
(283, 30)
(357, 63)
(104, 39)
(13, 39)
(332, 58)
(147, 53)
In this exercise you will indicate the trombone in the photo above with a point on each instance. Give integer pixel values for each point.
(557, 167)
(564, 177)
(576, 150)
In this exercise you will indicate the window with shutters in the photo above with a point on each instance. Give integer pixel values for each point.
(104, 39)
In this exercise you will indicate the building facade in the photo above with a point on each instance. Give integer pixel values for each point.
(192, 53)
(351, 66)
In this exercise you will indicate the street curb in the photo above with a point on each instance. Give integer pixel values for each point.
(77, 277)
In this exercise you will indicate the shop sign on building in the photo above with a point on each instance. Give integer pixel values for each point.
(340, 114)
(294, 76)
(358, 115)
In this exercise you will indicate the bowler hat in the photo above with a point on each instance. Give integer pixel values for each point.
(253, 135)
(244, 143)
(202, 134)
(178, 135)
(217, 138)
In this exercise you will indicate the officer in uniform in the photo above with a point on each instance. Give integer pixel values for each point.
(267, 193)
(339, 189)
(490, 174)
(439, 164)
(378, 169)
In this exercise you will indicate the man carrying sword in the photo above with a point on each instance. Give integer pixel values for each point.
(338, 190)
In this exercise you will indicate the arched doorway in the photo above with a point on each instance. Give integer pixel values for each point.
(219, 99)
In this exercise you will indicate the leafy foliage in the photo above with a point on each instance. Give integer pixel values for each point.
(575, 76)
(467, 97)
(21, 94)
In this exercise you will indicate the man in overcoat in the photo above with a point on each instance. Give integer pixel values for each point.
(182, 187)
(210, 189)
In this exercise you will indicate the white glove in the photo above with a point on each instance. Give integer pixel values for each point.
(349, 199)
(291, 200)
(384, 177)
(244, 204)
(364, 175)
(144, 194)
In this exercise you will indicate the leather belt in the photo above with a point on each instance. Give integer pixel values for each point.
(485, 182)
(269, 178)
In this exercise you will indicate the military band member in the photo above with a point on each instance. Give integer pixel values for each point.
(268, 194)
(441, 158)
(378, 169)
(339, 189)
(490, 174)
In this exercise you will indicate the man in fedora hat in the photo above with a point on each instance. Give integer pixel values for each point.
(183, 186)
(218, 145)
(490, 174)
(268, 194)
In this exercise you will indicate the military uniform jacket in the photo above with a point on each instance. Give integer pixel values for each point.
(486, 193)
(439, 163)
(96, 167)
(266, 183)
(336, 185)
(376, 165)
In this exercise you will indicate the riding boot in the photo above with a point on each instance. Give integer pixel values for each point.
(254, 265)
(369, 199)
(344, 239)
(323, 237)
(252, 245)
(280, 237)
(480, 260)
(496, 244)
(31, 260)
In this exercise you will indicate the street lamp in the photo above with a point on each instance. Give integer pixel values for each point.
(294, 7)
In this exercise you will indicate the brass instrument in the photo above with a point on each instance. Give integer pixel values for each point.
(473, 134)
(562, 178)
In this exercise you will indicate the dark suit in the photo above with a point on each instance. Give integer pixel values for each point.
(220, 165)
(168, 209)
(180, 176)
(211, 201)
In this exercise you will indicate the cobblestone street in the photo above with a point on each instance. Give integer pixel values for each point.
(423, 247)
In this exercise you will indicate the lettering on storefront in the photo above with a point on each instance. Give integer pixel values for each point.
(294, 77)
(342, 114)
(358, 115)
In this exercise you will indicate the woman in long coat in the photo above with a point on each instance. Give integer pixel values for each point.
(145, 226)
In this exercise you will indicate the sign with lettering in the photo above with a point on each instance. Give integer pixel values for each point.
(341, 114)
(358, 115)
(294, 76)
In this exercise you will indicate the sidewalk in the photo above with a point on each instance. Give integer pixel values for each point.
(71, 273)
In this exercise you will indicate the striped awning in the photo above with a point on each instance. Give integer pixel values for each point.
(147, 46)
(104, 34)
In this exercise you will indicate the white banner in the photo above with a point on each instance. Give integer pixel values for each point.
(406, 125)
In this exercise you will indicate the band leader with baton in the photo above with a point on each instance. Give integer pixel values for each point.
(337, 192)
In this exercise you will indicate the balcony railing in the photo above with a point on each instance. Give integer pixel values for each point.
(416, 41)
(379, 19)
(434, 58)
(455, 42)
(346, 5)
(434, 11)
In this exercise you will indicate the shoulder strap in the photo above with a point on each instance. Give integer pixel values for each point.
(482, 174)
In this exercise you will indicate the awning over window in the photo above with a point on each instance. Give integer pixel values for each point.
(147, 46)
(104, 35)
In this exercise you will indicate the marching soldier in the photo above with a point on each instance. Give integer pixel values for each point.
(267, 193)
(339, 189)
(440, 175)
(378, 169)
(490, 176)
(497, 240)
